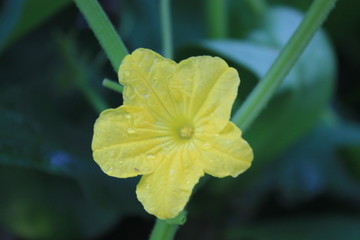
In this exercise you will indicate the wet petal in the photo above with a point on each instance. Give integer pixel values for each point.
(146, 76)
(165, 192)
(207, 88)
(126, 142)
(226, 153)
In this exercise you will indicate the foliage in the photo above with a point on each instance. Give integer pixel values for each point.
(304, 182)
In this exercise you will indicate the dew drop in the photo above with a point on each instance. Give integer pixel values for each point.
(131, 131)
(143, 91)
(206, 146)
(126, 73)
(150, 156)
(128, 116)
(172, 171)
(129, 91)
(110, 169)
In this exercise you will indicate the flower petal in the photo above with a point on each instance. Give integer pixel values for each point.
(126, 142)
(145, 76)
(226, 153)
(165, 192)
(208, 87)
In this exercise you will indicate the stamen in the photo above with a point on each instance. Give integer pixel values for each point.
(186, 132)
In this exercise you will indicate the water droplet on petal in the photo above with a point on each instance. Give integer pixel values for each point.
(109, 170)
(131, 131)
(129, 91)
(206, 146)
(126, 73)
(150, 156)
(143, 91)
(128, 116)
(172, 171)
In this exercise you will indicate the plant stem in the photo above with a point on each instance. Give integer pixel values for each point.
(166, 229)
(263, 92)
(216, 18)
(165, 10)
(112, 85)
(163, 231)
(104, 31)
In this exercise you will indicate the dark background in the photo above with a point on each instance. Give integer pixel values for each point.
(305, 180)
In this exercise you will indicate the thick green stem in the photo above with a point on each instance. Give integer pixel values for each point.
(104, 31)
(166, 229)
(216, 18)
(263, 92)
(167, 41)
(163, 231)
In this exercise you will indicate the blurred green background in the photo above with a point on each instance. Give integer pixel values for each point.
(305, 180)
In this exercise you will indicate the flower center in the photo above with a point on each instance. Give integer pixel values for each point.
(186, 132)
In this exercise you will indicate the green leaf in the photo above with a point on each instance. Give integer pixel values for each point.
(25, 15)
(315, 165)
(36, 205)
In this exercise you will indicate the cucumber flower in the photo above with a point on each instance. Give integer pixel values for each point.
(172, 128)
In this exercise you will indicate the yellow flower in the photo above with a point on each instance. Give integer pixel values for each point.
(173, 127)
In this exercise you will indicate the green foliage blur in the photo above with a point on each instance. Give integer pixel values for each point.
(305, 180)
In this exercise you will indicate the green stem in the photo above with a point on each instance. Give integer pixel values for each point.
(216, 18)
(104, 31)
(112, 85)
(263, 92)
(166, 229)
(166, 28)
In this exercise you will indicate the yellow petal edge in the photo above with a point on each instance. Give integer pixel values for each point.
(173, 127)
